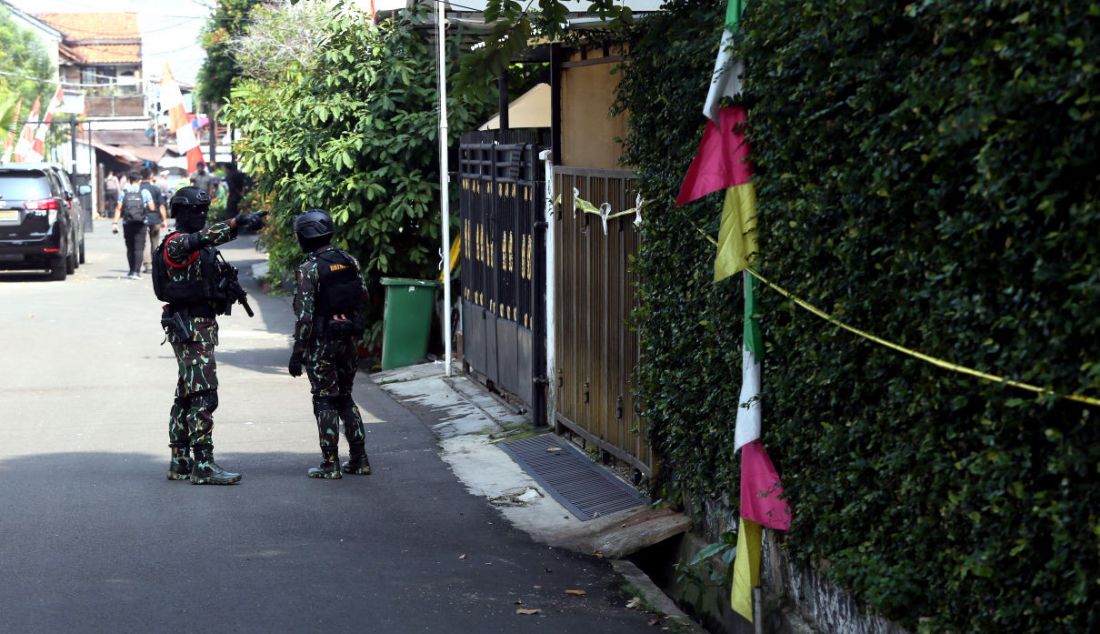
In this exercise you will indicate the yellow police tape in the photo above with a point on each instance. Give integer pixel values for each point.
(940, 363)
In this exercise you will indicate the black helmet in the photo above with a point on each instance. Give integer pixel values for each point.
(189, 206)
(314, 229)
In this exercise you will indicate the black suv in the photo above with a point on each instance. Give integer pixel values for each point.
(41, 222)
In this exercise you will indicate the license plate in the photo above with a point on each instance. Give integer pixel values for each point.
(9, 215)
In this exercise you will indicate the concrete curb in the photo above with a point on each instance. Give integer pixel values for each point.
(654, 599)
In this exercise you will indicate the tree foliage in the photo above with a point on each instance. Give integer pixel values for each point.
(926, 171)
(513, 25)
(220, 67)
(28, 69)
(353, 129)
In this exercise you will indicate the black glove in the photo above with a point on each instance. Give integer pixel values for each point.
(295, 365)
(252, 222)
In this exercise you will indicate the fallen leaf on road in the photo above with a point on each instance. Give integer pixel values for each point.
(654, 621)
(576, 593)
(528, 611)
(633, 603)
(462, 556)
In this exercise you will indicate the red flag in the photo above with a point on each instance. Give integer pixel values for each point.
(39, 144)
(179, 120)
(24, 147)
(761, 491)
(722, 160)
(194, 157)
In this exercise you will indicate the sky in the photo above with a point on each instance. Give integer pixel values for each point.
(170, 30)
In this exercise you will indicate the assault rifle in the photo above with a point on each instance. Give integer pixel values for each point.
(230, 287)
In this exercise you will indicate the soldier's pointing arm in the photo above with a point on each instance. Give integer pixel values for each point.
(183, 245)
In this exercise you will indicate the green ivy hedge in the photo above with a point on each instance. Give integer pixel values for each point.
(926, 171)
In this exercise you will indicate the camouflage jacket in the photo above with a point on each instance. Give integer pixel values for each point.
(182, 251)
(305, 296)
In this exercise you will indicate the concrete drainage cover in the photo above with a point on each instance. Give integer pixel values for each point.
(570, 477)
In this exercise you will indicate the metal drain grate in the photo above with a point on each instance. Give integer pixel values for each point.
(577, 483)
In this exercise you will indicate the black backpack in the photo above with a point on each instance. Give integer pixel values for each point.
(152, 218)
(340, 292)
(133, 208)
(190, 292)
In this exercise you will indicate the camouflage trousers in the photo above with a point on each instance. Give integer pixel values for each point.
(331, 365)
(191, 421)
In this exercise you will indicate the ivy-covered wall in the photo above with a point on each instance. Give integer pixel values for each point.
(927, 171)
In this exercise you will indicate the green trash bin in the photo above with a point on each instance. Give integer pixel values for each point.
(407, 320)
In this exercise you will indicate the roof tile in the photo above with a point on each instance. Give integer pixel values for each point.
(89, 36)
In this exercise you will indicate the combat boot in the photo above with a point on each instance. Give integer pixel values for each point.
(357, 463)
(329, 469)
(206, 471)
(181, 465)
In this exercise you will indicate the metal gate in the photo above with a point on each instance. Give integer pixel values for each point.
(596, 347)
(503, 198)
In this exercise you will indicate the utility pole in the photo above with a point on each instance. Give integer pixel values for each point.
(444, 184)
(72, 143)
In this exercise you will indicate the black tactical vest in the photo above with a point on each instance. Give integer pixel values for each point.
(339, 292)
(196, 298)
(339, 285)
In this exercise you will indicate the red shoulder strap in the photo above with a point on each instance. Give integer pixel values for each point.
(168, 260)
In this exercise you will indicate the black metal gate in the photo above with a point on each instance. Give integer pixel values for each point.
(503, 201)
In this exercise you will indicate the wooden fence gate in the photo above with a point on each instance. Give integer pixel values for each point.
(596, 347)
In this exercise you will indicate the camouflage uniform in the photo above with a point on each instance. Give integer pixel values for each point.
(191, 421)
(331, 362)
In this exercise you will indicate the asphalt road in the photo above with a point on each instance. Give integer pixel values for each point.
(94, 538)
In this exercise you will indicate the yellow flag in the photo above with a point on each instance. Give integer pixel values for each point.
(737, 234)
(746, 567)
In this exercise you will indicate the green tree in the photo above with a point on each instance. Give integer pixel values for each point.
(348, 124)
(220, 68)
(27, 70)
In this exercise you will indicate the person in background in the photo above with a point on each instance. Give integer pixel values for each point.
(110, 194)
(235, 183)
(155, 220)
(133, 204)
(202, 180)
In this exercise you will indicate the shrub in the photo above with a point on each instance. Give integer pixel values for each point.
(928, 172)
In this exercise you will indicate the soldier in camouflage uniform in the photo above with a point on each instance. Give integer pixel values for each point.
(329, 303)
(187, 275)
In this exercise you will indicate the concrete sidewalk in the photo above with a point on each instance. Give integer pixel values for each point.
(469, 422)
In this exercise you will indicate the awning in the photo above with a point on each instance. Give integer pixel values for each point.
(529, 110)
(150, 153)
(116, 152)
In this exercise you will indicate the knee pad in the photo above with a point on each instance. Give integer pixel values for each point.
(207, 400)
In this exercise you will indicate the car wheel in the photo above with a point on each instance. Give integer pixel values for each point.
(59, 269)
(70, 264)
(82, 249)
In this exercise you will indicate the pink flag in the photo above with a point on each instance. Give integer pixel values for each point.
(722, 160)
(761, 491)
